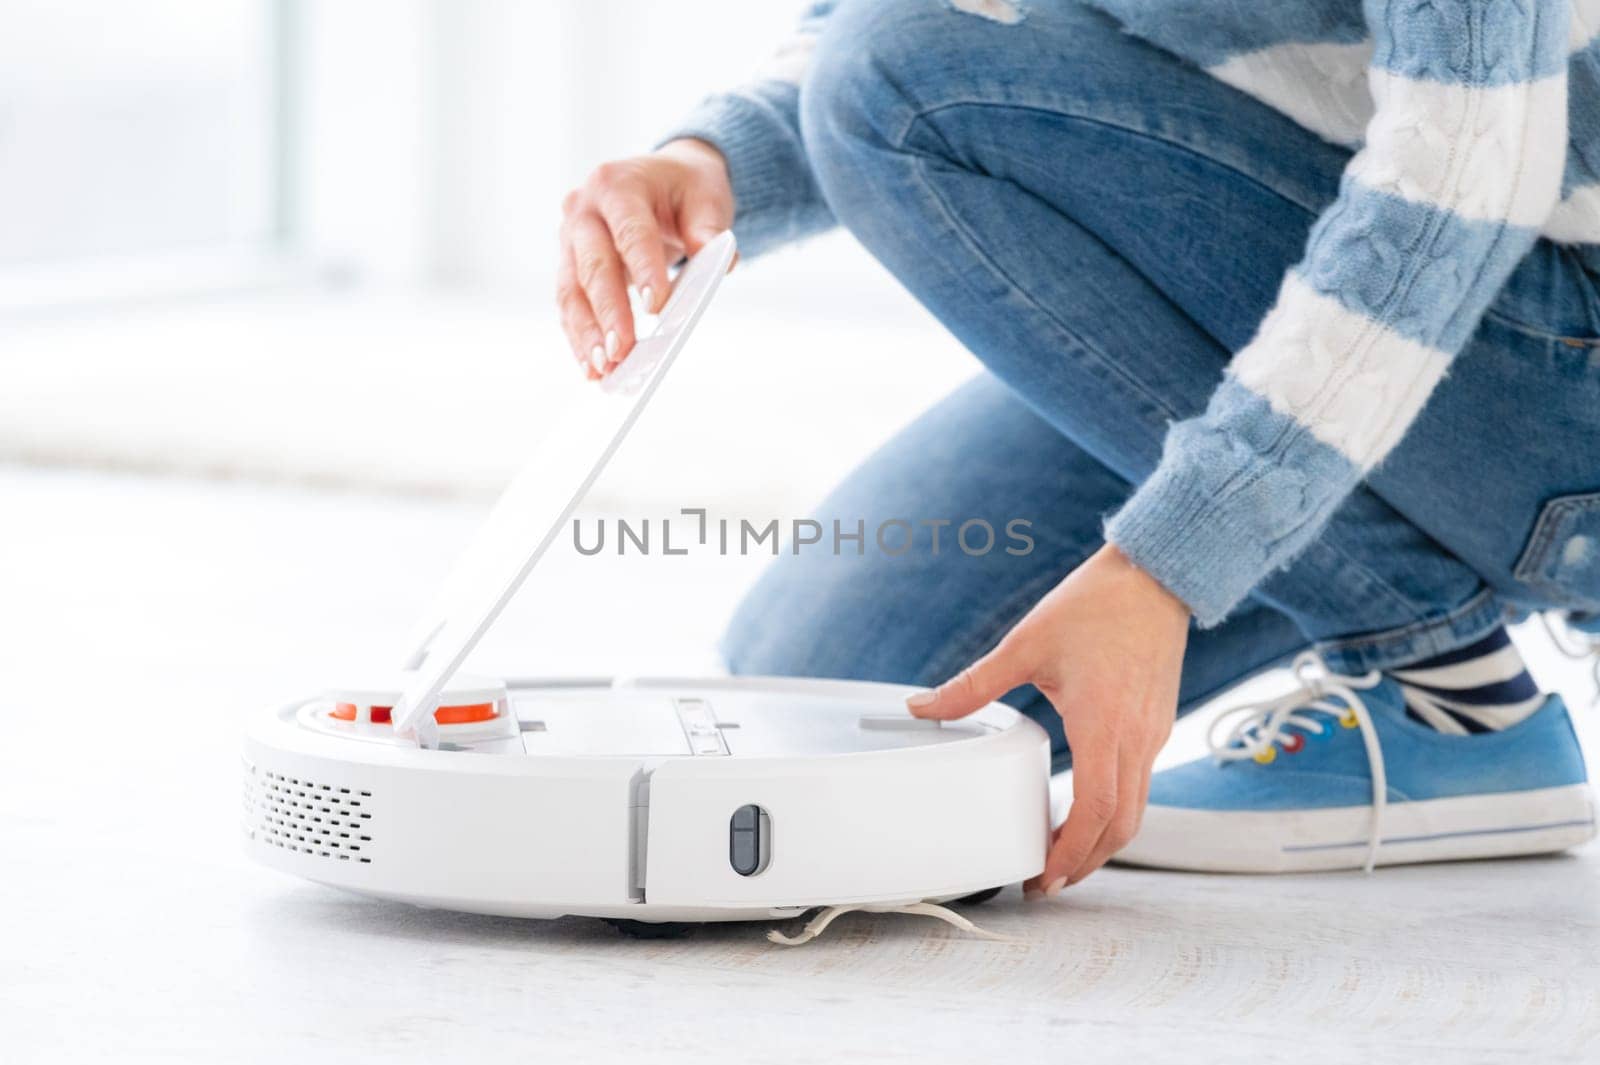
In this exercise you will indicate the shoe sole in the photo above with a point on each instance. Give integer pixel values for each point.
(1297, 841)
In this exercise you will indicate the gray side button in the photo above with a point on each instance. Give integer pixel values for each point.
(749, 840)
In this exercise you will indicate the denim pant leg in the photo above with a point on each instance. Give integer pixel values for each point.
(1102, 225)
(918, 613)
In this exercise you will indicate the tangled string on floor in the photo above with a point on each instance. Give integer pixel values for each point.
(819, 924)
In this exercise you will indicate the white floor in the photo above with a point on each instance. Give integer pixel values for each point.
(142, 619)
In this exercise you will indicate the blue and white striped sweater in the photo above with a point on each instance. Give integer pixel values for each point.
(1461, 114)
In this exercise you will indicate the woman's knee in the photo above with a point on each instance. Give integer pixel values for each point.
(878, 65)
(896, 82)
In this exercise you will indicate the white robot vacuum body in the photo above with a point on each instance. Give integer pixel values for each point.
(658, 800)
(646, 800)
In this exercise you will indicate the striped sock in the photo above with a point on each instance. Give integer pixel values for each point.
(1481, 688)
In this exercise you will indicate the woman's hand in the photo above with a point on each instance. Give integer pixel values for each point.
(625, 225)
(1106, 648)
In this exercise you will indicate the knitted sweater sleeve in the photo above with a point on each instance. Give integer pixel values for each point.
(1461, 164)
(757, 130)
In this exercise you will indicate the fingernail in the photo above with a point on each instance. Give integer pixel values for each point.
(922, 699)
(1054, 887)
(597, 357)
(648, 296)
(611, 342)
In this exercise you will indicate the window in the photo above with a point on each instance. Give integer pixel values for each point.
(132, 130)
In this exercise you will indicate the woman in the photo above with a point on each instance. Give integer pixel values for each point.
(1217, 259)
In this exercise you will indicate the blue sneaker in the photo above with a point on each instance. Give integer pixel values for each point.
(1335, 775)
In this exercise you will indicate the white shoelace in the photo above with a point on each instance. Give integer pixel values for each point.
(1259, 726)
(819, 924)
(1576, 645)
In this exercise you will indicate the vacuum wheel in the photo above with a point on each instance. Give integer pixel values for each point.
(650, 929)
(978, 897)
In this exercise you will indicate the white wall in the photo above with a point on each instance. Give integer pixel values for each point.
(132, 128)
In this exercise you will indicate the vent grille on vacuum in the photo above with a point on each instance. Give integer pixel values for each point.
(308, 816)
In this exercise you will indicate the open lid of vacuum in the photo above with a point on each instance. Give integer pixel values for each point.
(543, 496)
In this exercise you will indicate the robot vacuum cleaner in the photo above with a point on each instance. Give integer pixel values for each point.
(649, 802)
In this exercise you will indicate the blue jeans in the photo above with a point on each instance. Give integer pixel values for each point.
(1102, 225)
